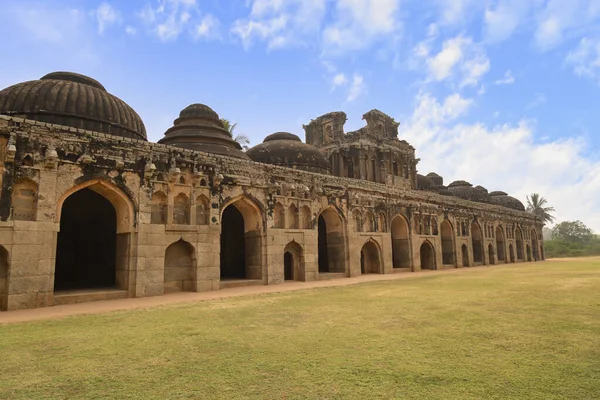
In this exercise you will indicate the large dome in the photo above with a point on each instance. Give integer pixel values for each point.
(465, 190)
(286, 149)
(199, 128)
(78, 101)
(503, 199)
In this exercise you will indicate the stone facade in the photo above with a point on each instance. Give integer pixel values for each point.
(87, 215)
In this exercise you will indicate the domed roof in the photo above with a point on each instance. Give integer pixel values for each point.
(199, 128)
(70, 99)
(286, 149)
(424, 183)
(435, 178)
(465, 190)
(504, 200)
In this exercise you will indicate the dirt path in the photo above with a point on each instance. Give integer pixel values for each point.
(98, 307)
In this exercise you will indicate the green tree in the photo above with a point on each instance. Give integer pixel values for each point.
(241, 138)
(572, 231)
(535, 205)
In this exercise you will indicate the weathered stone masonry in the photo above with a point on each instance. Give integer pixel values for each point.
(87, 215)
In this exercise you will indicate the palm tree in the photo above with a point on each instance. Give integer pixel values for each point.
(535, 205)
(241, 138)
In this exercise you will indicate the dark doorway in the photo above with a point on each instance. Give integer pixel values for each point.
(465, 255)
(288, 266)
(476, 241)
(369, 259)
(233, 244)
(491, 254)
(87, 243)
(528, 253)
(323, 259)
(427, 256)
(512, 253)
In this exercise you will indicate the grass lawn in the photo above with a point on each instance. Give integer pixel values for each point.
(529, 331)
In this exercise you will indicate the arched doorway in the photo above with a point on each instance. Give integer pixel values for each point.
(370, 262)
(528, 253)
(447, 243)
(180, 267)
(293, 262)
(427, 256)
(241, 241)
(400, 243)
(492, 258)
(331, 248)
(465, 255)
(86, 251)
(512, 253)
(519, 244)
(534, 245)
(3, 279)
(476, 240)
(500, 244)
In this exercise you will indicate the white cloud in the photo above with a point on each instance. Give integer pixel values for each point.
(505, 157)
(208, 27)
(106, 15)
(507, 80)
(585, 59)
(459, 59)
(357, 87)
(503, 19)
(48, 24)
(130, 30)
(339, 80)
(170, 18)
(456, 12)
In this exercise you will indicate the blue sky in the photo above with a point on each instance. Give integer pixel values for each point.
(501, 93)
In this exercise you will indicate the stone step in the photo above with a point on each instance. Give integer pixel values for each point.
(88, 295)
(235, 283)
(325, 276)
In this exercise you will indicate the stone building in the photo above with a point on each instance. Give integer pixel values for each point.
(91, 210)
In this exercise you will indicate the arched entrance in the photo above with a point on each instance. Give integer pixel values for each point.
(427, 256)
(241, 241)
(500, 244)
(465, 255)
(447, 244)
(3, 279)
(519, 244)
(492, 259)
(512, 253)
(370, 262)
(400, 243)
(331, 251)
(86, 251)
(528, 253)
(180, 267)
(534, 245)
(476, 239)
(293, 262)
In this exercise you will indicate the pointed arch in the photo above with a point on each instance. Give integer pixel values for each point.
(278, 216)
(306, 218)
(293, 262)
(357, 218)
(477, 243)
(24, 200)
(180, 267)
(519, 243)
(447, 236)
(491, 254)
(500, 244)
(427, 254)
(535, 245)
(202, 210)
(181, 209)
(331, 241)
(381, 223)
(370, 258)
(292, 217)
(158, 208)
(369, 225)
(400, 242)
(241, 239)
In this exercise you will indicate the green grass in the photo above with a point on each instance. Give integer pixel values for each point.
(528, 331)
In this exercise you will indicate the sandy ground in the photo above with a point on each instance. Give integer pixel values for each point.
(98, 307)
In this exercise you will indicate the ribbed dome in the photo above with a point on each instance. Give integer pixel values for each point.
(424, 183)
(465, 190)
(435, 178)
(199, 128)
(70, 99)
(286, 149)
(504, 200)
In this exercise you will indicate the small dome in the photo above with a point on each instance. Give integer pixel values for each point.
(424, 183)
(466, 191)
(435, 178)
(443, 190)
(70, 99)
(199, 128)
(504, 200)
(287, 150)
